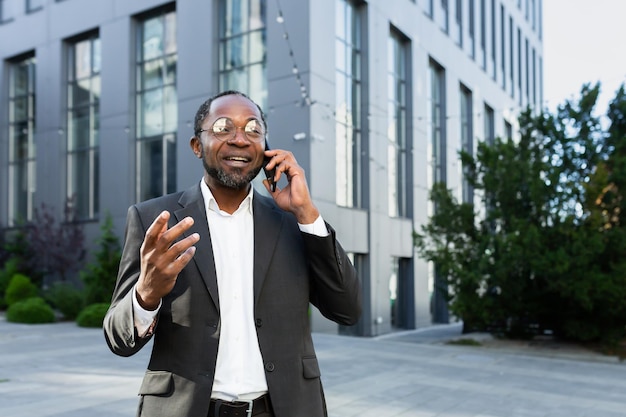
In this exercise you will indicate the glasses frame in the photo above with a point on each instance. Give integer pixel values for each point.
(212, 132)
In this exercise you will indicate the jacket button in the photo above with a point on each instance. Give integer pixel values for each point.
(269, 367)
(258, 322)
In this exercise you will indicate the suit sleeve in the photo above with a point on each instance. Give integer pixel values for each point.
(119, 327)
(335, 287)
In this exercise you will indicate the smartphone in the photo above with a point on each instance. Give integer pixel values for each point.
(269, 173)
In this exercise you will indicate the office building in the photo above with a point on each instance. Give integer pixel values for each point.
(374, 98)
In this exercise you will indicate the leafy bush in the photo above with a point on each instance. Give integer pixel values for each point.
(6, 273)
(92, 315)
(68, 299)
(99, 277)
(59, 245)
(20, 288)
(19, 251)
(32, 311)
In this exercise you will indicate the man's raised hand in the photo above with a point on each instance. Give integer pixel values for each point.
(163, 256)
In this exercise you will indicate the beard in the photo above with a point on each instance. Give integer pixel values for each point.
(237, 179)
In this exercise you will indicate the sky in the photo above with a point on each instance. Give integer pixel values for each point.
(583, 42)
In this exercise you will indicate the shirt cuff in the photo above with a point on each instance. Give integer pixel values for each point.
(144, 319)
(317, 228)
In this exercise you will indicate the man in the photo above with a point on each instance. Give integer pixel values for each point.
(222, 277)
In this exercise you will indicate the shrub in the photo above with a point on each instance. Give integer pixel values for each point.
(20, 288)
(59, 245)
(92, 315)
(68, 299)
(100, 276)
(6, 273)
(32, 310)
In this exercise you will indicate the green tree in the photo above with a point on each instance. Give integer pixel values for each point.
(537, 254)
(99, 276)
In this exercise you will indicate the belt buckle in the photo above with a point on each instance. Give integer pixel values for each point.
(249, 410)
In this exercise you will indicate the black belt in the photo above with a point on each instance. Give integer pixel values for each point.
(220, 408)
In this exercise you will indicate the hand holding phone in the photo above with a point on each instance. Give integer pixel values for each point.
(269, 173)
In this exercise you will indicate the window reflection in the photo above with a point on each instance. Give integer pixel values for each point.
(157, 105)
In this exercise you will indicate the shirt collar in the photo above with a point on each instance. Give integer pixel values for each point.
(211, 203)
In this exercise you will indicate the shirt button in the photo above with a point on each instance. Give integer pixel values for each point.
(269, 367)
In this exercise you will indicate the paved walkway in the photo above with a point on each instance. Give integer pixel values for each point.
(61, 370)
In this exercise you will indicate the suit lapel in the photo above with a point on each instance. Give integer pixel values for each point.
(268, 220)
(193, 206)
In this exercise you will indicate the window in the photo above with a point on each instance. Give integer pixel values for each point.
(490, 133)
(483, 33)
(534, 76)
(472, 29)
(7, 10)
(503, 46)
(83, 121)
(429, 8)
(348, 93)
(467, 138)
(34, 5)
(494, 48)
(527, 68)
(445, 25)
(21, 139)
(157, 105)
(508, 130)
(511, 57)
(437, 118)
(459, 22)
(398, 156)
(242, 48)
(540, 20)
(519, 64)
(540, 71)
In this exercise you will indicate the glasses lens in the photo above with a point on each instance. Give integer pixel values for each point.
(223, 129)
(254, 130)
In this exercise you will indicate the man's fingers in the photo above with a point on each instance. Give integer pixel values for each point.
(160, 237)
(156, 229)
(179, 248)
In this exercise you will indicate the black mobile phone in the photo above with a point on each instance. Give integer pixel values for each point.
(269, 173)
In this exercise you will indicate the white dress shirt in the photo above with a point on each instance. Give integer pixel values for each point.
(239, 372)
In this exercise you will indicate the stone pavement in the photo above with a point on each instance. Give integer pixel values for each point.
(61, 370)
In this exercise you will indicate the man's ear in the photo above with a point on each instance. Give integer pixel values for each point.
(196, 146)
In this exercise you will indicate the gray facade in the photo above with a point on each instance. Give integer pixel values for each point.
(499, 64)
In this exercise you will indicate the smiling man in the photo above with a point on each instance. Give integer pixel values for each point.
(222, 278)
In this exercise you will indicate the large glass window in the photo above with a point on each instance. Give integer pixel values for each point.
(157, 105)
(348, 90)
(83, 126)
(437, 134)
(397, 126)
(242, 48)
(21, 139)
(437, 118)
(490, 125)
(467, 138)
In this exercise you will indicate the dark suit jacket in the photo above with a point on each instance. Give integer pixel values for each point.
(291, 269)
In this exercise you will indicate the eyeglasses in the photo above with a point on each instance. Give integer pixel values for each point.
(224, 129)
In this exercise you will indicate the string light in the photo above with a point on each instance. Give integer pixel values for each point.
(306, 99)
